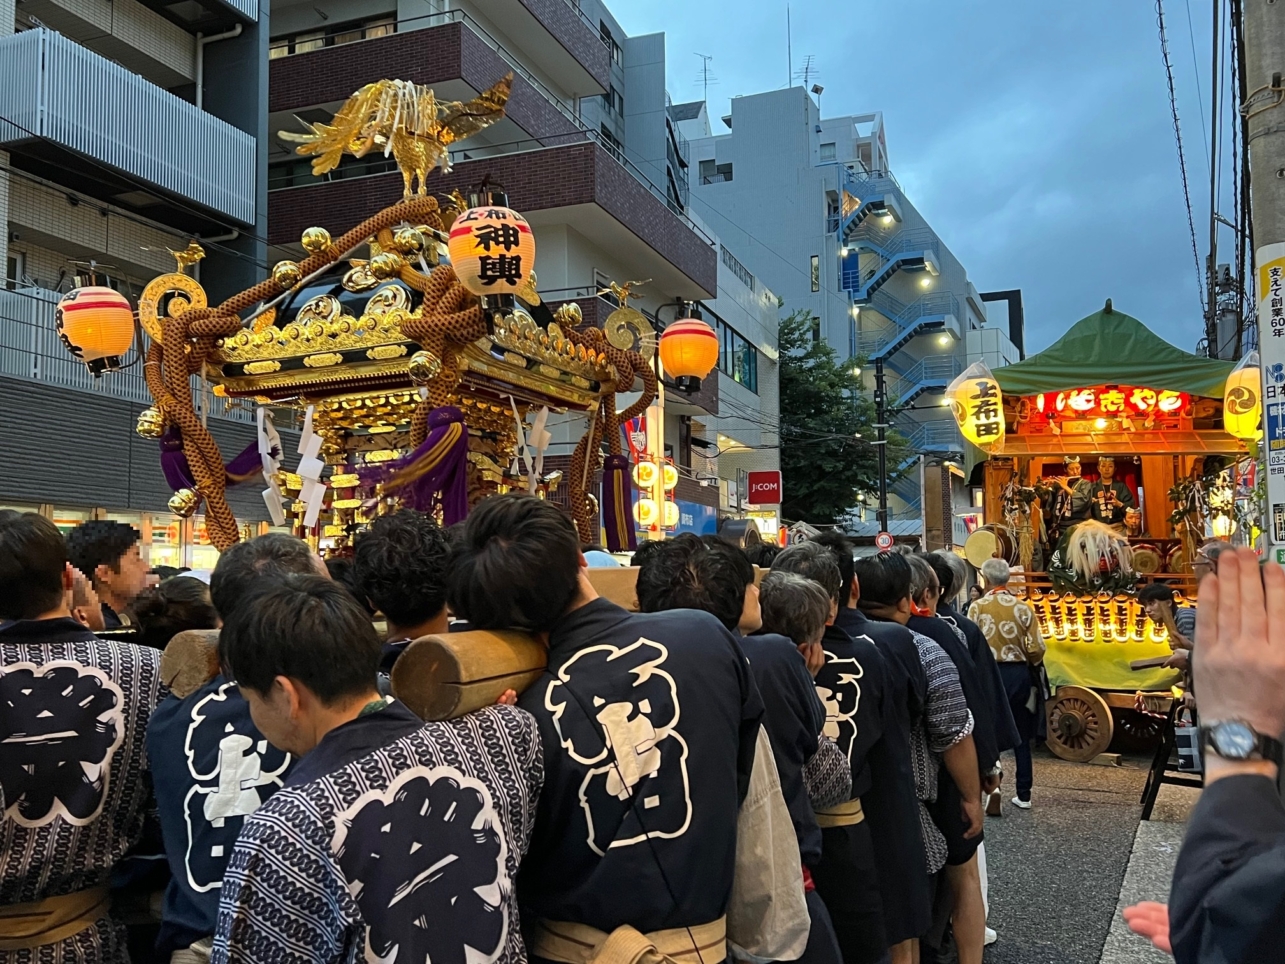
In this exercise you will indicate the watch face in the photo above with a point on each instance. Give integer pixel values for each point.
(1234, 741)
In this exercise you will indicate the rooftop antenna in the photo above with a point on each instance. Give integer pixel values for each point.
(808, 70)
(705, 78)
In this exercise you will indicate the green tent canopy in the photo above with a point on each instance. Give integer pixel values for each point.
(1112, 348)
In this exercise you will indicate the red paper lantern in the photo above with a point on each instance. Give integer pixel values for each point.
(96, 325)
(689, 352)
(492, 250)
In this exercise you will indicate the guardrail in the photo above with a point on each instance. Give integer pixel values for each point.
(55, 89)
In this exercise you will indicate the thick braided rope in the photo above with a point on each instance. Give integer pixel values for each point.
(606, 422)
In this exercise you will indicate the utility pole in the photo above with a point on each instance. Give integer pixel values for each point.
(1264, 112)
(881, 427)
(1211, 279)
(1264, 66)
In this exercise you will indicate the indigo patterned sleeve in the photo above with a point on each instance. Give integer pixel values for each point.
(282, 900)
(946, 713)
(827, 775)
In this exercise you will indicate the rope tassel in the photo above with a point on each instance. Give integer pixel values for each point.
(435, 473)
(618, 505)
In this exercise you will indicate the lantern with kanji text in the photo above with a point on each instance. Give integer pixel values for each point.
(978, 406)
(492, 250)
(96, 325)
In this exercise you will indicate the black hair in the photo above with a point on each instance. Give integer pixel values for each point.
(945, 574)
(884, 579)
(518, 566)
(1157, 592)
(761, 554)
(793, 606)
(689, 573)
(401, 565)
(645, 548)
(165, 610)
(99, 542)
(921, 576)
(812, 561)
(306, 628)
(841, 546)
(246, 565)
(166, 572)
(33, 557)
(343, 572)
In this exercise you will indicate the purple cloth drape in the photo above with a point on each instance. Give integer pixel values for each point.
(436, 473)
(618, 505)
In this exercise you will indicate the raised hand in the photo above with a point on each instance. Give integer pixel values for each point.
(1150, 920)
(1240, 656)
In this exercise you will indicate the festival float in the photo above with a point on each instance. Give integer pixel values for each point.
(414, 349)
(1109, 458)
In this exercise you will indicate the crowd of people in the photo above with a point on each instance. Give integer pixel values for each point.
(796, 767)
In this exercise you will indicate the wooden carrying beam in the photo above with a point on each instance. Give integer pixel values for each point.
(439, 677)
(443, 677)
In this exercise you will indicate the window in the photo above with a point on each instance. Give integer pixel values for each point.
(15, 266)
(309, 41)
(738, 269)
(614, 100)
(737, 358)
(609, 42)
(296, 173)
(827, 152)
(611, 142)
(712, 172)
(816, 272)
(331, 36)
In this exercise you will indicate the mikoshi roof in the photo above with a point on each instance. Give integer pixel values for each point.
(1112, 348)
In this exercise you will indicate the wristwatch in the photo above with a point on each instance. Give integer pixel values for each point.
(1237, 740)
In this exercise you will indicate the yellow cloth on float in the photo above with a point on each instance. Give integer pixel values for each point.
(1104, 665)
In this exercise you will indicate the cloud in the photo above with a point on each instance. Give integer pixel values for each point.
(1035, 137)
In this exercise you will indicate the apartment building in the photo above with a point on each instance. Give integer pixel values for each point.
(813, 207)
(127, 128)
(589, 151)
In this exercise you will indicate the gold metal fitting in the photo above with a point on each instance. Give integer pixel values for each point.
(184, 502)
(423, 367)
(408, 241)
(316, 240)
(287, 274)
(151, 423)
(386, 265)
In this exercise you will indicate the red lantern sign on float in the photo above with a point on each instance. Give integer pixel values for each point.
(492, 250)
(1111, 400)
(96, 325)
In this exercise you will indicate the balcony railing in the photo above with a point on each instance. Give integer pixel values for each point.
(577, 132)
(55, 89)
(935, 369)
(938, 433)
(30, 349)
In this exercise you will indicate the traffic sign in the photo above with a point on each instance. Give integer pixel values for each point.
(884, 540)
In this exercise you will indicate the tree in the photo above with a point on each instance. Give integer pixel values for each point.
(827, 429)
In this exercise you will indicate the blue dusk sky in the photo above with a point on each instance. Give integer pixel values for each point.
(1035, 135)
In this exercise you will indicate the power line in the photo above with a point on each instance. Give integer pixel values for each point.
(1195, 69)
(1182, 161)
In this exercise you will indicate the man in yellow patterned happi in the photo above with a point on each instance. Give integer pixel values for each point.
(1013, 634)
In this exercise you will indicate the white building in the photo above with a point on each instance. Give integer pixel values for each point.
(811, 206)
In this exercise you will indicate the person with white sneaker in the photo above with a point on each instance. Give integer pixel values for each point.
(1013, 634)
